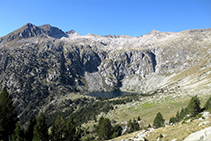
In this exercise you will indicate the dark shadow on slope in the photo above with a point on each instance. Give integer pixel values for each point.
(154, 62)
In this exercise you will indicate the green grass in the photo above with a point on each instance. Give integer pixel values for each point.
(174, 103)
(148, 105)
(133, 109)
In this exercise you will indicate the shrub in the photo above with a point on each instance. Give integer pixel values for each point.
(161, 136)
(184, 122)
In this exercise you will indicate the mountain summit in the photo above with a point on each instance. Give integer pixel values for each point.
(29, 30)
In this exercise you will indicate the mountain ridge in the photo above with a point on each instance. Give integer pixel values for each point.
(41, 63)
(47, 29)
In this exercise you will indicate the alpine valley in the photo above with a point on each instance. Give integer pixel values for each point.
(41, 65)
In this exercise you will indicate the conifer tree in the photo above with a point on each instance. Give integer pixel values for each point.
(71, 130)
(158, 121)
(182, 114)
(104, 129)
(177, 117)
(18, 134)
(30, 128)
(132, 126)
(58, 130)
(40, 129)
(194, 106)
(117, 131)
(129, 126)
(135, 126)
(208, 104)
(172, 120)
(8, 116)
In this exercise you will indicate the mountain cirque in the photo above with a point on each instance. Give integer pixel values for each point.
(39, 63)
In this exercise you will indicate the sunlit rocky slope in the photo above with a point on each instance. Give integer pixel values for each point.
(38, 63)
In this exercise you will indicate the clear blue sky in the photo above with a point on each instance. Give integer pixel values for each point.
(103, 17)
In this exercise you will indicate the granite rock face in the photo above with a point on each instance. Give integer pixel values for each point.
(38, 63)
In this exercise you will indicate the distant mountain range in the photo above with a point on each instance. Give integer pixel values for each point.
(40, 63)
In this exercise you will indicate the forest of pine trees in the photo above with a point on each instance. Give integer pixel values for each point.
(38, 130)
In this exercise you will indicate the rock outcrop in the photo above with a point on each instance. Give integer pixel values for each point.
(203, 135)
(39, 63)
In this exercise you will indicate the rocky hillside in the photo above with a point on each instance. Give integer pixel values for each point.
(39, 63)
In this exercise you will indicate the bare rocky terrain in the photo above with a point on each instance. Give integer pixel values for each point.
(41, 63)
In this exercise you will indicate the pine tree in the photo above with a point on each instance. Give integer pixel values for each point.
(135, 126)
(183, 113)
(132, 126)
(208, 104)
(18, 133)
(71, 130)
(104, 129)
(177, 117)
(58, 130)
(30, 128)
(129, 126)
(117, 131)
(8, 116)
(40, 129)
(158, 121)
(172, 120)
(194, 106)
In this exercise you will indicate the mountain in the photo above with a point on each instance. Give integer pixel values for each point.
(29, 30)
(41, 63)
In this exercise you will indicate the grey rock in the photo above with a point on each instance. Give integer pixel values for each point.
(203, 135)
(39, 63)
(29, 30)
(158, 139)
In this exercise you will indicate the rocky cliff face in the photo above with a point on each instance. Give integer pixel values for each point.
(40, 63)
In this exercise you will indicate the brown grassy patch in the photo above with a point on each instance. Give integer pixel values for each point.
(179, 131)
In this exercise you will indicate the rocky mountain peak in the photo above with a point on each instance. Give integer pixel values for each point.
(52, 31)
(155, 32)
(29, 25)
(29, 30)
(26, 31)
(71, 32)
(45, 26)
